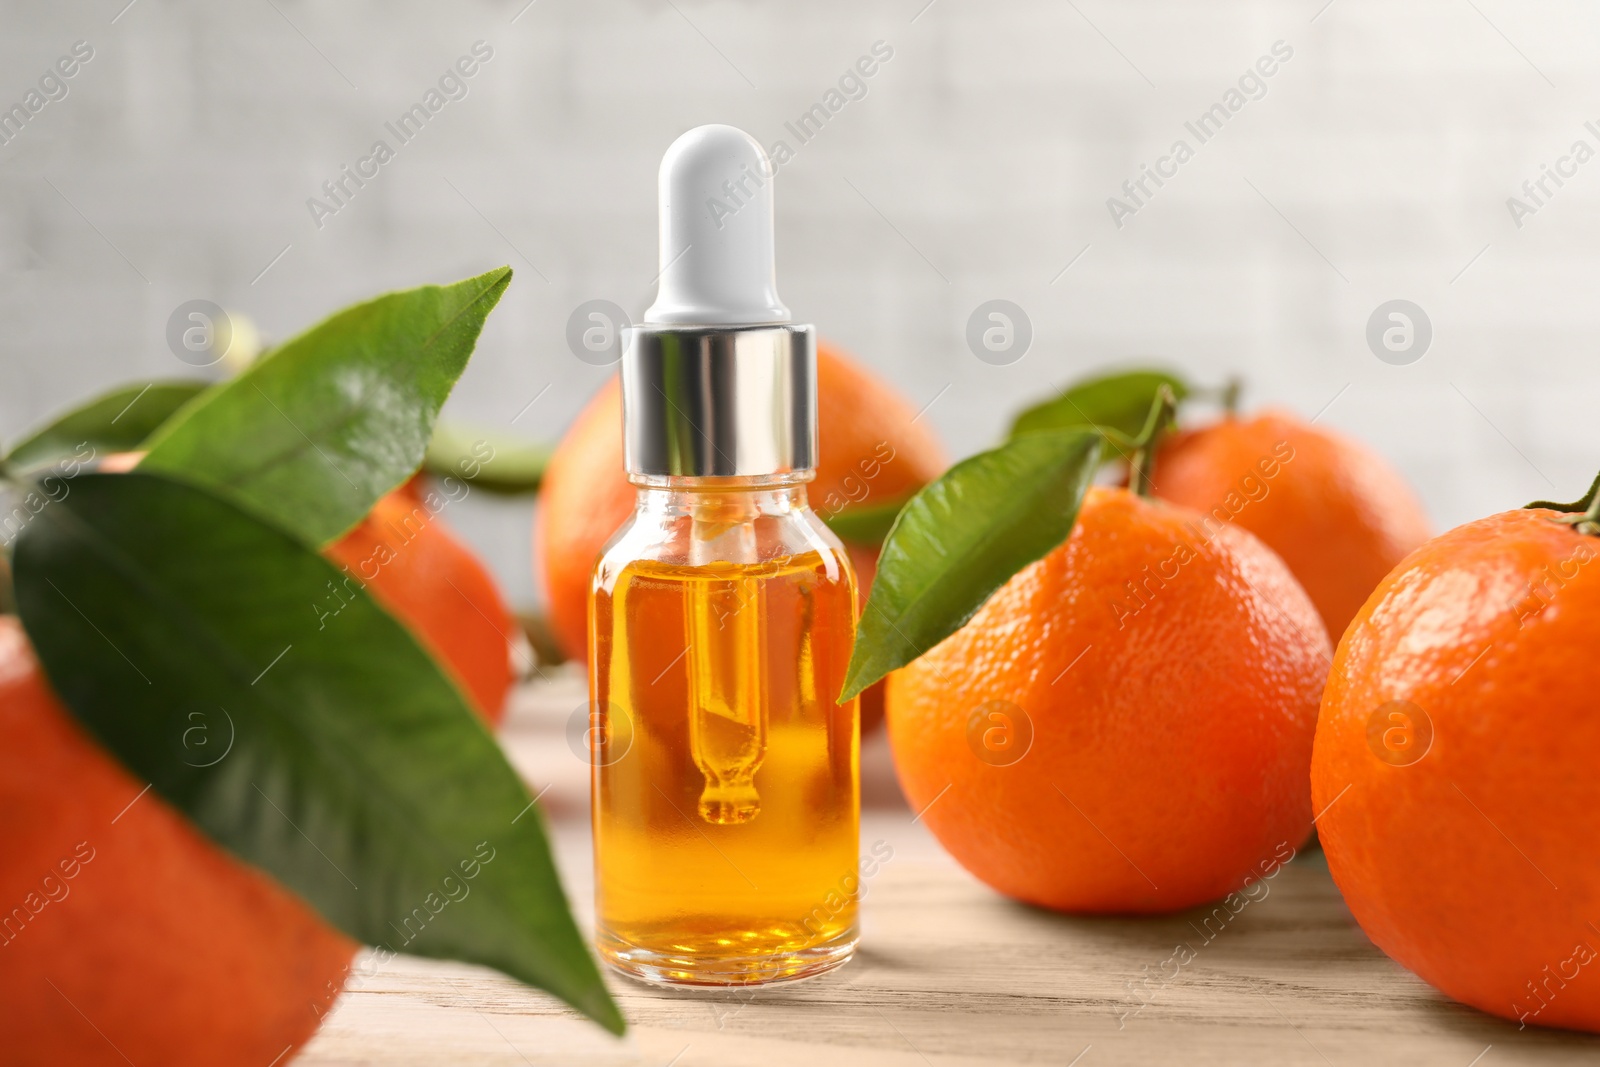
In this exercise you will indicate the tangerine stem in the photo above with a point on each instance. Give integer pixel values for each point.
(1230, 395)
(1582, 515)
(1155, 424)
(1590, 522)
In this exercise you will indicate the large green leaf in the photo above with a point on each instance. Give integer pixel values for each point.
(962, 537)
(117, 421)
(490, 460)
(338, 756)
(1118, 402)
(312, 434)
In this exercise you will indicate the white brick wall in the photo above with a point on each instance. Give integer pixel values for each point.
(990, 141)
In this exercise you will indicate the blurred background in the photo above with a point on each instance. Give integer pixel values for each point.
(977, 162)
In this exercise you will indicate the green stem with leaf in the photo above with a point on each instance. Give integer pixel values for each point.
(1160, 419)
(1583, 514)
(968, 532)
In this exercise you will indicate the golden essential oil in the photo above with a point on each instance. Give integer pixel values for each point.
(726, 803)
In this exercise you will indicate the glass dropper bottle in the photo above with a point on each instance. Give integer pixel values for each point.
(726, 803)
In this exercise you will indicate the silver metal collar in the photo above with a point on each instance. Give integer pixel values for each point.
(715, 401)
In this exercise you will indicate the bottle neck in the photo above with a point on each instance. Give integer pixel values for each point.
(768, 494)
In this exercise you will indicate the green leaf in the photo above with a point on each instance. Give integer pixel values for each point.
(865, 525)
(117, 421)
(311, 435)
(1116, 401)
(962, 537)
(489, 459)
(333, 752)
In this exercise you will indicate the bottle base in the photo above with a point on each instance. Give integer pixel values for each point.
(714, 970)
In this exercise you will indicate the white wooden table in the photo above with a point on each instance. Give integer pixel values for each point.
(949, 973)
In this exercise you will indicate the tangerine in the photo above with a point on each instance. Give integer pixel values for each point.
(1125, 726)
(1454, 768)
(127, 936)
(1339, 515)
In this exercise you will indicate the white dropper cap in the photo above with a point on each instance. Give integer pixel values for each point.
(717, 261)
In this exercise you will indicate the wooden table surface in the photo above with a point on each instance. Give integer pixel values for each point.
(949, 973)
